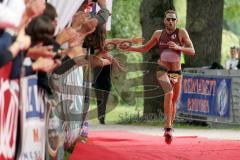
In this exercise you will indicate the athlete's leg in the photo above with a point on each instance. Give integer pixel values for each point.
(163, 80)
(176, 95)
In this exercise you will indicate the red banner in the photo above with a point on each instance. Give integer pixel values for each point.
(9, 102)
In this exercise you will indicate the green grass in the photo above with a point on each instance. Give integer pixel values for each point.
(132, 115)
(116, 115)
(67, 155)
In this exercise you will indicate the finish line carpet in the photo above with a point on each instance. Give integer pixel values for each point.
(112, 145)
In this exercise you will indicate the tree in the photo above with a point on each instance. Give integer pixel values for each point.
(126, 24)
(125, 19)
(151, 15)
(204, 24)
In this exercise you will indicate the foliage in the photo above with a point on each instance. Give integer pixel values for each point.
(229, 3)
(125, 18)
(231, 16)
(231, 24)
(181, 9)
(126, 22)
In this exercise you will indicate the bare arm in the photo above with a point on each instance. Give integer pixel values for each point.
(121, 43)
(40, 51)
(45, 64)
(23, 41)
(147, 46)
(188, 45)
(103, 14)
(119, 40)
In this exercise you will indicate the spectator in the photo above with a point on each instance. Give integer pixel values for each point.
(238, 66)
(233, 61)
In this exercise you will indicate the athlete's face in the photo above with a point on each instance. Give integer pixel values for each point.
(170, 21)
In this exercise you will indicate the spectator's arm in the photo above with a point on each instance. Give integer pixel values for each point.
(10, 53)
(5, 57)
(103, 13)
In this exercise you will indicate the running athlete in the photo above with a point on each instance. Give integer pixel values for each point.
(171, 42)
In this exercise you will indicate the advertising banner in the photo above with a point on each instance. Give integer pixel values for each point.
(32, 114)
(9, 102)
(205, 96)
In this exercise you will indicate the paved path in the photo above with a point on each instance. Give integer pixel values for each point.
(227, 134)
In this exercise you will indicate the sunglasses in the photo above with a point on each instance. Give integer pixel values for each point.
(173, 19)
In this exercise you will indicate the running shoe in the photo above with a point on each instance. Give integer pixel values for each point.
(168, 135)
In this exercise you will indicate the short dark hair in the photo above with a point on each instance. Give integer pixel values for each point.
(233, 47)
(96, 39)
(50, 11)
(170, 11)
(40, 29)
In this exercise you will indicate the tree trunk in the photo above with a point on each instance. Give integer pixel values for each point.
(204, 24)
(152, 14)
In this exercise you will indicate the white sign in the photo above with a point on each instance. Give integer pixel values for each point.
(32, 113)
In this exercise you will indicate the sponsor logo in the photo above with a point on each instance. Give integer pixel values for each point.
(222, 98)
(173, 36)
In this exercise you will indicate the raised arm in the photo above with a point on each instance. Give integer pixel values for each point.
(120, 40)
(147, 46)
(103, 13)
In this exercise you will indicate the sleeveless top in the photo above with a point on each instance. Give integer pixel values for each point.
(163, 47)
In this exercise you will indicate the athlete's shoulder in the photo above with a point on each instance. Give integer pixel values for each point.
(157, 33)
(182, 31)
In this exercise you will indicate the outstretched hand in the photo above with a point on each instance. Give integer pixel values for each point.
(41, 51)
(102, 3)
(124, 46)
(45, 64)
(66, 35)
(78, 19)
(35, 8)
(88, 26)
(24, 39)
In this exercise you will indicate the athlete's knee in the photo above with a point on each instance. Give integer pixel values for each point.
(176, 95)
(175, 99)
(170, 93)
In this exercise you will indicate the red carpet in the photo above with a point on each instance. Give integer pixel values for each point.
(107, 145)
